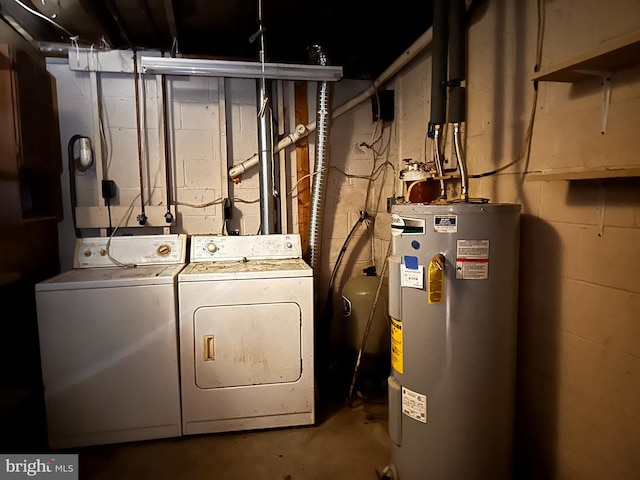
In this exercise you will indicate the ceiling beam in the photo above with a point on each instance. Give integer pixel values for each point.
(99, 13)
(115, 15)
(154, 26)
(171, 20)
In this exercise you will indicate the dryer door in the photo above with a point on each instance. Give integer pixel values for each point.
(243, 345)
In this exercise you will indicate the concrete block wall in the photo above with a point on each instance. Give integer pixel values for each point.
(578, 406)
(359, 147)
(200, 150)
(213, 125)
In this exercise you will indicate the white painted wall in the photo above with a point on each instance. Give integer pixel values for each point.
(200, 153)
(202, 150)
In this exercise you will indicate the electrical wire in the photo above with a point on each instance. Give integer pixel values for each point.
(125, 218)
(105, 145)
(376, 174)
(71, 166)
(302, 179)
(45, 18)
(242, 200)
(217, 201)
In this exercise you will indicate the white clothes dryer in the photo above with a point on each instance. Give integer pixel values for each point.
(108, 342)
(246, 334)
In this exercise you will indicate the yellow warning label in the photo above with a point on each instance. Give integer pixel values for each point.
(436, 282)
(396, 345)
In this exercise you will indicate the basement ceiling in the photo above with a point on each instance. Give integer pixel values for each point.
(358, 35)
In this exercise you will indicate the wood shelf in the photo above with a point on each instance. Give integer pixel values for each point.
(583, 173)
(614, 55)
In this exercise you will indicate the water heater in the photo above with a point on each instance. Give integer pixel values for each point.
(453, 277)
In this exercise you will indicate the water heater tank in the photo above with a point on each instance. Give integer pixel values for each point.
(453, 277)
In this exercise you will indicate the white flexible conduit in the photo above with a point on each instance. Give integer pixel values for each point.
(303, 130)
(319, 188)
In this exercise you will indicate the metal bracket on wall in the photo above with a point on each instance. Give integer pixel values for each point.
(605, 82)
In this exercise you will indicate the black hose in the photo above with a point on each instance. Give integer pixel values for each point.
(363, 216)
(72, 182)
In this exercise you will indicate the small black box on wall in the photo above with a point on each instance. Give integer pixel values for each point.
(387, 106)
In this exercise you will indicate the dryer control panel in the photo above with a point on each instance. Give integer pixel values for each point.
(217, 248)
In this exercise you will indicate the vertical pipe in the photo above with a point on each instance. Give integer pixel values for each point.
(164, 135)
(142, 217)
(438, 161)
(439, 58)
(457, 94)
(318, 192)
(462, 164)
(265, 153)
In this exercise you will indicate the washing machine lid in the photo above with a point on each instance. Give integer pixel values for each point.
(78, 279)
(211, 271)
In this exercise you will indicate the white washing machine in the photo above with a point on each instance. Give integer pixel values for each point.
(246, 334)
(108, 342)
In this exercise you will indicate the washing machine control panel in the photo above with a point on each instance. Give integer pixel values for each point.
(213, 248)
(94, 252)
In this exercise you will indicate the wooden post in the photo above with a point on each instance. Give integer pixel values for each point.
(302, 165)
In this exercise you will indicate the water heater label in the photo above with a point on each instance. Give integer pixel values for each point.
(412, 277)
(445, 223)
(436, 282)
(407, 226)
(472, 259)
(396, 346)
(414, 405)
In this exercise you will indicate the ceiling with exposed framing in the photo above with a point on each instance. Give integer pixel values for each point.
(359, 35)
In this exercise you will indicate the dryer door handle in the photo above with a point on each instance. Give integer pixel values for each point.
(209, 351)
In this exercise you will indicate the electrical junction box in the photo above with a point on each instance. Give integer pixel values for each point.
(384, 111)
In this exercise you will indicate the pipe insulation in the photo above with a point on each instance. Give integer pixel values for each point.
(321, 164)
(439, 56)
(457, 41)
(303, 130)
(457, 61)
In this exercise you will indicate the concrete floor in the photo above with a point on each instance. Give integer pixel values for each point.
(347, 442)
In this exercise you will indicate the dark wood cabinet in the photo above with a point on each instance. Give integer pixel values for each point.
(30, 208)
(30, 159)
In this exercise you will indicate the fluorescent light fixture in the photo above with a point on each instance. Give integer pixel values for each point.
(232, 69)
